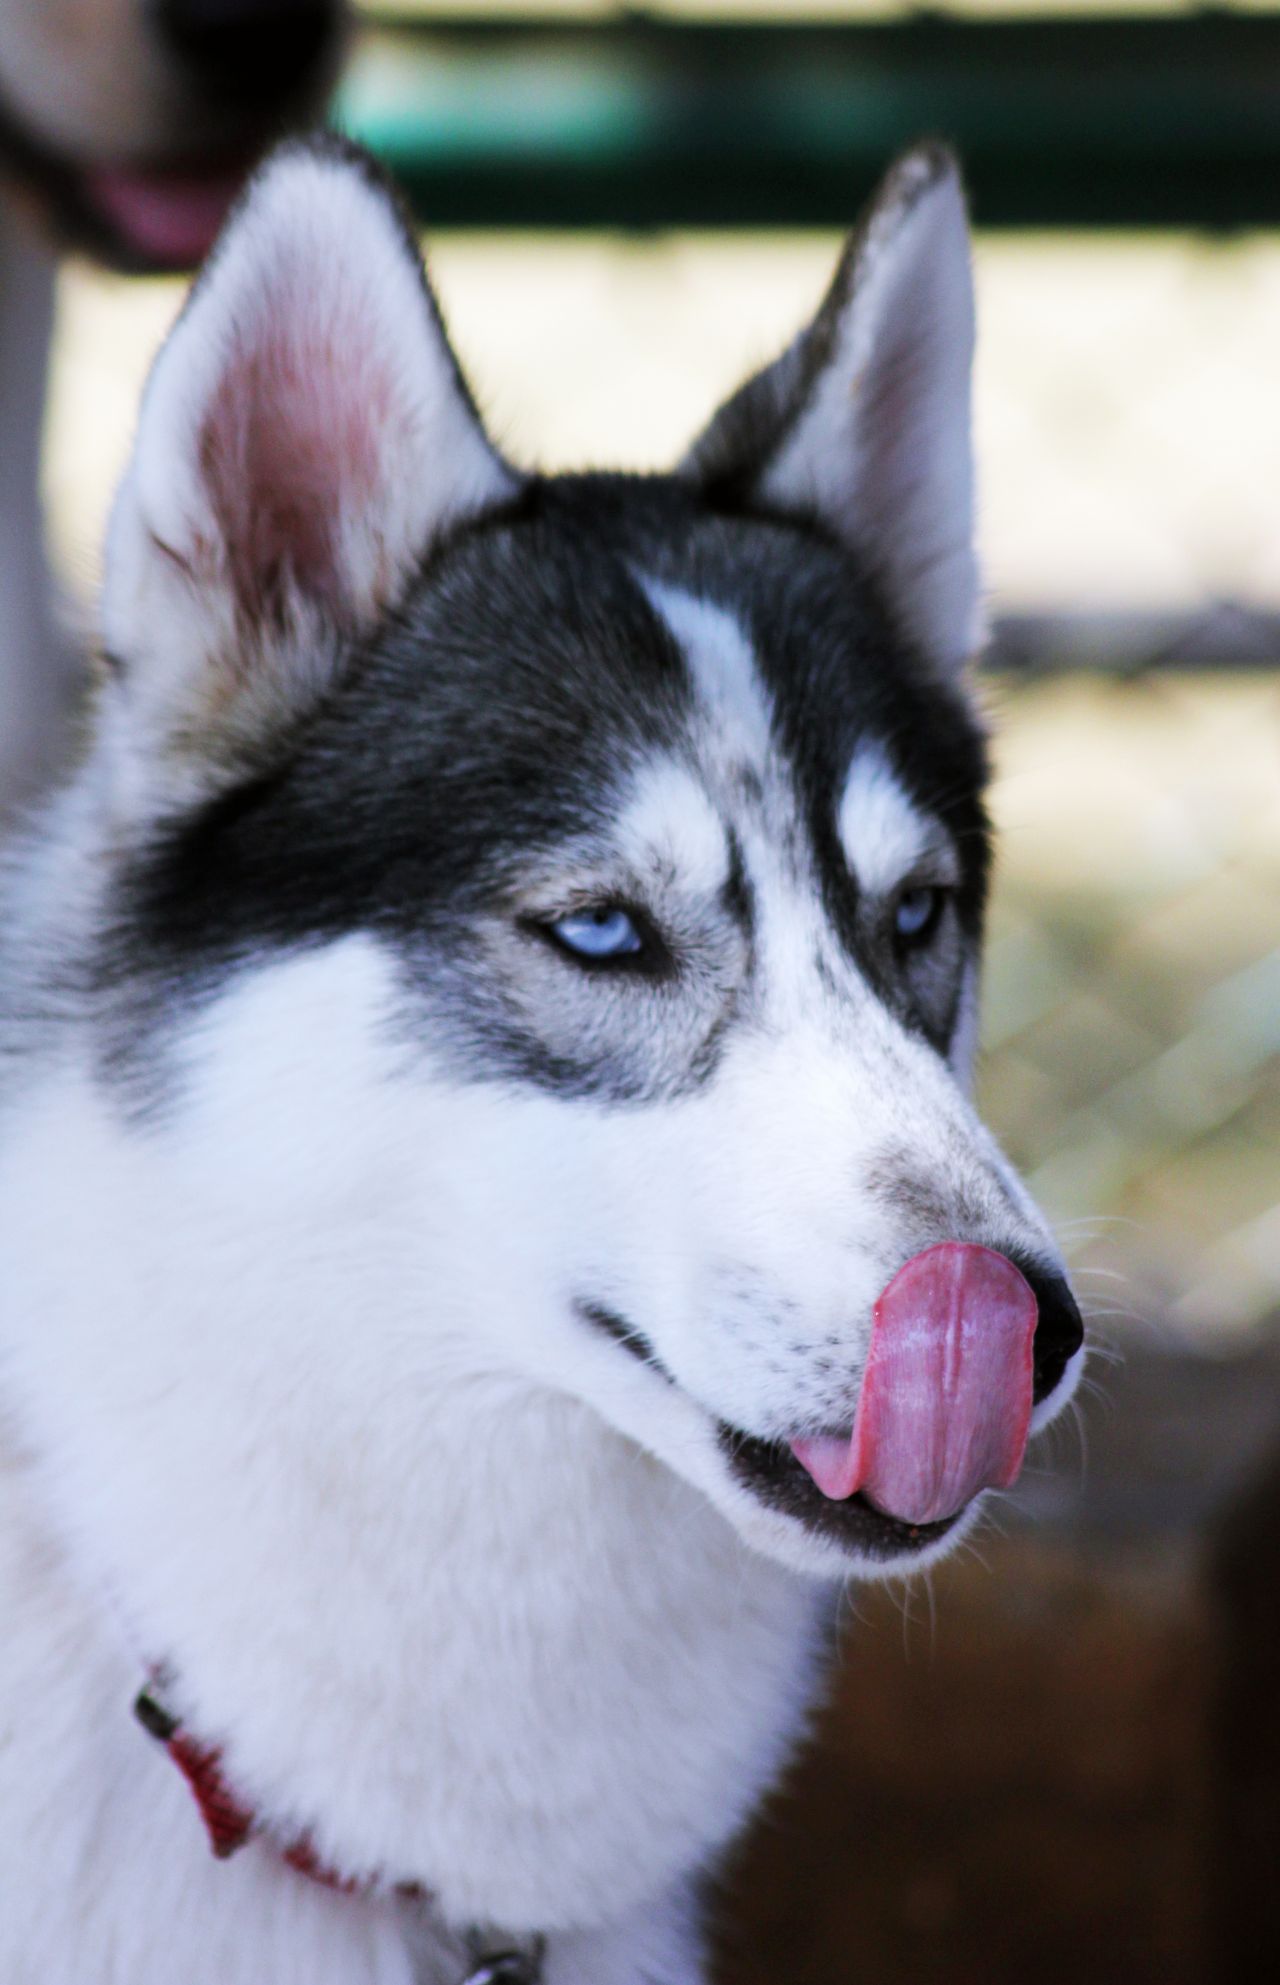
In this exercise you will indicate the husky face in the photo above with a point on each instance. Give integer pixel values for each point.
(653, 808)
(575, 885)
(717, 1142)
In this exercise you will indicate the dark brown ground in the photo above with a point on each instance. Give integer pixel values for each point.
(1071, 1772)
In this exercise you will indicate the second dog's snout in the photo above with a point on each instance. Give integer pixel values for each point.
(255, 49)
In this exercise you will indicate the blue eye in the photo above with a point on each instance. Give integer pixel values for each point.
(916, 913)
(601, 933)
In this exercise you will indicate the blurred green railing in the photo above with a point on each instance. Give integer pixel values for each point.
(648, 121)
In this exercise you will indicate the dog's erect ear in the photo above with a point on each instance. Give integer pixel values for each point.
(864, 422)
(304, 438)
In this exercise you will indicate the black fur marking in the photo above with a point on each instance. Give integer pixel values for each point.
(838, 674)
(738, 896)
(929, 736)
(495, 720)
(626, 1334)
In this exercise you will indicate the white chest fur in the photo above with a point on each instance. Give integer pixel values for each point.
(446, 1622)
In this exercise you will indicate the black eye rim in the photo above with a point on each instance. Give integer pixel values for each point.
(940, 893)
(652, 959)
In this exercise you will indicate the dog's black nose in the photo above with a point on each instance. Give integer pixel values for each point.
(250, 50)
(1059, 1327)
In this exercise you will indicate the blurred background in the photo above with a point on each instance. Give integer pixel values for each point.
(1067, 1754)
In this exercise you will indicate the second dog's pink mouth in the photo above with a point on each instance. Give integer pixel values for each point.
(168, 218)
(946, 1397)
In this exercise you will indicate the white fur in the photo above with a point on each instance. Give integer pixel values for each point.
(736, 738)
(722, 666)
(670, 827)
(883, 447)
(826, 1081)
(887, 840)
(338, 1450)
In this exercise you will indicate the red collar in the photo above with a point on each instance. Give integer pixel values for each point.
(227, 1821)
(230, 1824)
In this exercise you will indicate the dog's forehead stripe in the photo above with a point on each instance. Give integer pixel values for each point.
(722, 667)
(883, 833)
(736, 736)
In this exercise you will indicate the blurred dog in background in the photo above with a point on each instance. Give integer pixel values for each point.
(126, 129)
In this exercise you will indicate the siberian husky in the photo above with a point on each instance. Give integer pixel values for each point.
(126, 129)
(492, 1230)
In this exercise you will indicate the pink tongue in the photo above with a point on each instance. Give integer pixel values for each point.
(946, 1396)
(171, 218)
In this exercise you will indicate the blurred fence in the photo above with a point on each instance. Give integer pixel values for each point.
(1133, 984)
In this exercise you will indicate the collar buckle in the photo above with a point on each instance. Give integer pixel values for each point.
(509, 1966)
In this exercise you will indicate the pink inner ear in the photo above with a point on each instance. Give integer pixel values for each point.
(290, 447)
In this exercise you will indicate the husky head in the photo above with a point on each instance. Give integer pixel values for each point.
(130, 123)
(542, 915)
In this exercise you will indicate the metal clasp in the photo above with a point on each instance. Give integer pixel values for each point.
(503, 1968)
(507, 1967)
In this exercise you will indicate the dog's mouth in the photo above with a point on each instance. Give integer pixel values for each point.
(160, 213)
(146, 216)
(943, 1413)
(141, 218)
(770, 1471)
(162, 217)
